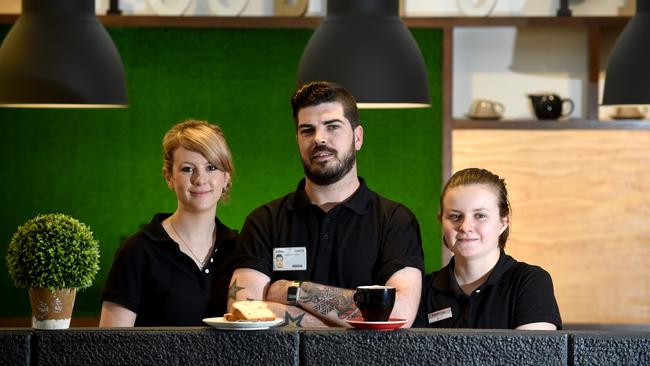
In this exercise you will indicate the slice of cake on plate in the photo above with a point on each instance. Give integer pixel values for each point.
(249, 311)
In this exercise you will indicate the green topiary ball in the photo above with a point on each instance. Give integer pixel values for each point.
(54, 251)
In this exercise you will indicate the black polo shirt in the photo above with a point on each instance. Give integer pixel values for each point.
(162, 285)
(514, 294)
(362, 241)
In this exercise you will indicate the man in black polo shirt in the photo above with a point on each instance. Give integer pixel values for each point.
(333, 233)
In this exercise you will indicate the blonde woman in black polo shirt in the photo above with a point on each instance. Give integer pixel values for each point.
(175, 271)
(483, 287)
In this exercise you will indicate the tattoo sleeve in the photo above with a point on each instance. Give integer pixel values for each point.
(326, 299)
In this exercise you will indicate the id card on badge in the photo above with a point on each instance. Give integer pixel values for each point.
(290, 259)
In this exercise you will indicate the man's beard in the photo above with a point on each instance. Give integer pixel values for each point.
(324, 175)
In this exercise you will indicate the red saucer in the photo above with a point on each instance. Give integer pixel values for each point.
(392, 323)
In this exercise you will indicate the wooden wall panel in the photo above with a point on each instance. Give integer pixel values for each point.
(581, 210)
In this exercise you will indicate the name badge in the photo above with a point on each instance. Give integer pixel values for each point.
(439, 315)
(290, 259)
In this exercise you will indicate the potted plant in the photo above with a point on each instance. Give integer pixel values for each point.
(53, 255)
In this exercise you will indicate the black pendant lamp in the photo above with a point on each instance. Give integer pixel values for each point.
(59, 55)
(627, 80)
(364, 46)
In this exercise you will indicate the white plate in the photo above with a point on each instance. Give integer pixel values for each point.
(169, 7)
(227, 8)
(640, 116)
(476, 7)
(221, 323)
(492, 117)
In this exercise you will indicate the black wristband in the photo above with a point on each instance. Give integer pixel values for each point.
(293, 293)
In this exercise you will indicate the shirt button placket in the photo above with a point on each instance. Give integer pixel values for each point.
(325, 228)
(326, 233)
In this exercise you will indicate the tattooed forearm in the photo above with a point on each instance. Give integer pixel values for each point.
(325, 299)
(232, 291)
(293, 321)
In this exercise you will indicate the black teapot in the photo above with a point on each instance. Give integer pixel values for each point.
(550, 106)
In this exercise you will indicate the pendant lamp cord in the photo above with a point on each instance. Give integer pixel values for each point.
(563, 10)
(114, 8)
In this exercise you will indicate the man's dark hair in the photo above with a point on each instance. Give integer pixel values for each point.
(317, 92)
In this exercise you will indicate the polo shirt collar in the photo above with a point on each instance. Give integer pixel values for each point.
(155, 231)
(444, 278)
(446, 281)
(298, 199)
(504, 263)
(358, 202)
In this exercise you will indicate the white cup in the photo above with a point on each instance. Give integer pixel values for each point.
(483, 108)
(630, 111)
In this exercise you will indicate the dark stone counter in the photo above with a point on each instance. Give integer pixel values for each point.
(335, 346)
(439, 347)
(606, 348)
(15, 346)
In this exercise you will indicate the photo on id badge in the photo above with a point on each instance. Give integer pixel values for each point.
(290, 259)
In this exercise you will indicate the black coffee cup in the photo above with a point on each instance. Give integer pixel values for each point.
(550, 106)
(375, 302)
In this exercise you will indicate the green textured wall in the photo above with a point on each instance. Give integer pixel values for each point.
(104, 166)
